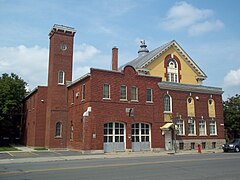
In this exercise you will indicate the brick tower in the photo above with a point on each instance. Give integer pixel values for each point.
(59, 72)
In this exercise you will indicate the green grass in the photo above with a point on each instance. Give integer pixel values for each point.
(40, 148)
(8, 149)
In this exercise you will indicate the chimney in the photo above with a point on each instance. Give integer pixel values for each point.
(115, 58)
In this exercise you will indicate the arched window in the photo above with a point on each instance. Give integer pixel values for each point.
(58, 131)
(172, 70)
(167, 103)
(61, 75)
(190, 107)
(211, 108)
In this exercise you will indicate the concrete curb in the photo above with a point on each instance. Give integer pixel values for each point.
(102, 156)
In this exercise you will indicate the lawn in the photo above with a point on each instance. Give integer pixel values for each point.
(8, 148)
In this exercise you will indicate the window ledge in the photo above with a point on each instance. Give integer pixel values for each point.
(203, 135)
(194, 135)
(107, 99)
(149, 102)
(123, 100)
(58, 137)
(134, 100)
(167, 112)
(61, 84)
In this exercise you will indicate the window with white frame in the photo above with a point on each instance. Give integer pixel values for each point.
(180, 127)
(167, 103)
(106, 91)
(149, 95)
(140, 132)
(58, 130)
(114, 132)
(134, 94)
(212, 127)
(191, 127)
(61, 75)
(123, 92)
(202, 127)
(172, 69)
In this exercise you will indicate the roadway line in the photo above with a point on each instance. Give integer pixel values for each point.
(115, 165)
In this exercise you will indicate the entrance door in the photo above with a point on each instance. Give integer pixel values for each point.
(114, 137)
(168, 140)
(140, 137)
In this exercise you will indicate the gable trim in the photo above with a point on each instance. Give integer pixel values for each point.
(183, 54)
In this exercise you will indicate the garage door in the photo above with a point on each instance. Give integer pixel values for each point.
(114, 137)
(140, 137)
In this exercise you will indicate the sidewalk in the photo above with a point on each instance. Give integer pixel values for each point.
(30, 155)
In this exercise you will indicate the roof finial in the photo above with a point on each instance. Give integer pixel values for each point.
(143, 48)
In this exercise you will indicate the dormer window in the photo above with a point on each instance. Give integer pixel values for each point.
(172, 70)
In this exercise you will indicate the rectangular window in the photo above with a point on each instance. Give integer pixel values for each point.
(213, 145)
(83, 92)
(172, 77)
(72, 96)
(71, 133)
(106, 91)
(181, 146)
(191, 127)
(212, 127)
(60, 77)
(175, 77)
(149, 95)
(180, 126)
(123, 92)
(192, 145)
(202, 128)
(134, 94)
(58, 130)
(203, 145)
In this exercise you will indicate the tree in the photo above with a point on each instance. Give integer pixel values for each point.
(12, 92)
(231, 108)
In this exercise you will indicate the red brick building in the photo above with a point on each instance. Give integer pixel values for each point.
(155, 102)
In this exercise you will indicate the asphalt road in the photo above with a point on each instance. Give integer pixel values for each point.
(195, 166)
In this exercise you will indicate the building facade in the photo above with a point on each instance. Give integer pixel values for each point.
(155, 102)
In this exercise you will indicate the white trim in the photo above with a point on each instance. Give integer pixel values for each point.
(125, 93)
(151, 101)
(109, 90)
(63, 77)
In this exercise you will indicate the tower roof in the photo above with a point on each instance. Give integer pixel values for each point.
(62, 29)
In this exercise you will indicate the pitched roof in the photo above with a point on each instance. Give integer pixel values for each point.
(142, 61)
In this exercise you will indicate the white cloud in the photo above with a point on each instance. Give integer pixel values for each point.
(84, 52)
(184, 15)
(204, 27)
(80, 71)
(232, 78)
(31, 63)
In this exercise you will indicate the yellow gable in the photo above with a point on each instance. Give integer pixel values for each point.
(168, 61)
(187, 74)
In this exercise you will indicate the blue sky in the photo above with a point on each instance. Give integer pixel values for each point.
(209, 31)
